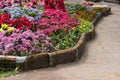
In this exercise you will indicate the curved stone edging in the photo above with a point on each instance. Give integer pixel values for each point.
(43, 60)
(107, 12)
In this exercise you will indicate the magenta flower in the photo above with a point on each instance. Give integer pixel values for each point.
(24, 43)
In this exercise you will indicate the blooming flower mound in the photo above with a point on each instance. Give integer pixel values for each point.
(6, 27)
(56, 20)
(85, 26)
(86, 10)
(29, 3)
(30, 27)
(24, 43)
(17, 11)
(26, 29)
(18, 23)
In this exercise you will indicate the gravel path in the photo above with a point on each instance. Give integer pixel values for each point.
(101, 60)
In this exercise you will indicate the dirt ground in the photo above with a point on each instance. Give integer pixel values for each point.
(101, 60)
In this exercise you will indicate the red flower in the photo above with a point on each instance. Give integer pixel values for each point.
(4, 18)
(60, 5)
(17, 22)
(54, 4)
(26, 22)
(22, 23)
(56, 20)
(1, 22)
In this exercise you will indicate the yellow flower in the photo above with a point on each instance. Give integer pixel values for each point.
(81, 26)
(73, 28)
(1, 30)
(4, 26)
(10, 29)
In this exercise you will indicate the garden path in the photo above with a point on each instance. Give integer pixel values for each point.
(101, 60)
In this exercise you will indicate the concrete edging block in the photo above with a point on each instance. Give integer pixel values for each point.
(35, 61)
(63, 56)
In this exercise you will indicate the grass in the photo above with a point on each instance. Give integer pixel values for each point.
(7, 73)
(7, 68)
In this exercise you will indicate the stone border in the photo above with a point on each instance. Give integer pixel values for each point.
(43, 60)
(94, 0)
(112, 1)
(106, 13)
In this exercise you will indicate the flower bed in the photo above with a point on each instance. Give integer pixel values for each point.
(37, 38)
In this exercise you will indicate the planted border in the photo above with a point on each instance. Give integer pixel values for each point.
(42, 60)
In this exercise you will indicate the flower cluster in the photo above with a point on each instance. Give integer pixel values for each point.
(68, 40)
(90, 16)
(85, 26)
(54, 4)
(29, 3)
(4, 18)
(6, 27)
(22, 23)
(88, 6)
(71, 38)
(25, 26)
(73, 9)
(32, 3)
(99, 9)
(17, 11)
(33, 14)
(18, 23)
(24, 43)
(56, 20)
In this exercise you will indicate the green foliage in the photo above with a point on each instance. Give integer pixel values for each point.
(64, 40)
(85, 26)
(33, 14)
(7, 73)
(72, 8)
(41, 8)
(79, 7)
(7, 68)
(24, 0)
